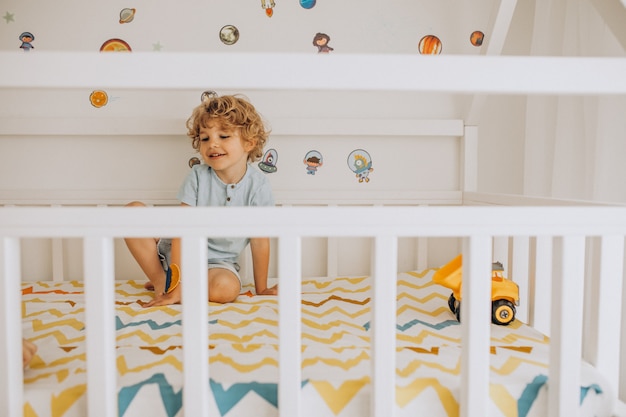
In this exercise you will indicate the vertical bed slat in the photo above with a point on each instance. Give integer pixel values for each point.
(195, 326)
(566, 326)
(383, 326)
(11, 377)
(289, 326)
(519, 273)
(542, 285)
(475, 326)
(607, 342)
(100, 327)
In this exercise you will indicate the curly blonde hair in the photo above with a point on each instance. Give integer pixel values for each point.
(232, 112)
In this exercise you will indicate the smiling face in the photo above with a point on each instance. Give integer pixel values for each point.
(225, 151)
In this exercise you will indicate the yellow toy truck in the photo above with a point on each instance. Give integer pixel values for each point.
(504, 292)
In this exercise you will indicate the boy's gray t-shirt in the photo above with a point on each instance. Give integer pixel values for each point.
(203, 187)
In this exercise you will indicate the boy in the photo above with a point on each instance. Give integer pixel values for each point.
(229, 134)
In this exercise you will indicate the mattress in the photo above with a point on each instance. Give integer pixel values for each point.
(243, 354)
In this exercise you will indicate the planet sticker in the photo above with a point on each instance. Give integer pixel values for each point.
(115, 45)
(229, 35)
(98, 98)
(308, 4)
(430, 45)
(127, 15)
(476, 38)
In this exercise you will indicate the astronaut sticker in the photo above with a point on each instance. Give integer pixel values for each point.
(268, 163)
(360, 162)
(313, 160)
(27, 38)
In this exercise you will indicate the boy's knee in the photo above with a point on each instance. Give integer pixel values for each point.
(223, 289)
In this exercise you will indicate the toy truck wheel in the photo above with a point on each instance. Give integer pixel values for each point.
(503, 312)
(452, 303)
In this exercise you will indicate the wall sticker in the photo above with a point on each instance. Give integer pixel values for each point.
(127, 15)
(320, 40)
(360, 162)
(313, 160)
(268, 163)
(27, 38)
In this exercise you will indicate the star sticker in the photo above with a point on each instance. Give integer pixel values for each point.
(157, 46)
(9, 17)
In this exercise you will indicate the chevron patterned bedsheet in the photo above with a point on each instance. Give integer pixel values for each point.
(243, 354)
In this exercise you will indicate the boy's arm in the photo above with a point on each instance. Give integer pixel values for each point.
(260, 247)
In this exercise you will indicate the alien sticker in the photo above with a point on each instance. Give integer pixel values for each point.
(360, 162)
(268, 163)
(313, 160)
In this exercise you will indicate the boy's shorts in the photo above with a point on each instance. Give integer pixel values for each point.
(164, 250)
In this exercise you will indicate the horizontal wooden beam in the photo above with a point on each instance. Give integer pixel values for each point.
(281, 71)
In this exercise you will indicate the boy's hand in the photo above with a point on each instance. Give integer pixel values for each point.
(163, 299)
(269, 291)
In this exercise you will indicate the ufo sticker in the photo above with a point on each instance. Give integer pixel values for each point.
(115, 45)
(360, 162)
(229, 35)
(268, 164)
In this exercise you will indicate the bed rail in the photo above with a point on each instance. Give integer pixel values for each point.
(566, 228)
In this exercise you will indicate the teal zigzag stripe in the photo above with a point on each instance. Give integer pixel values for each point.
(529, 395)
(226, 399)
(151, 323)
(415, 322)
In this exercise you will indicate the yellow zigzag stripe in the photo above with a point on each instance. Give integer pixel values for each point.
(61, 361)
(433, 313)
(241, 367)
(39, 325)
(512, 363)
(416, 285)
(245, 323)
(503, 400)
(404, 395)
(422, 299)
(236, 308)
(52, 284)
(241, 339)
(332, 339)
(346, 365)
(147, 338)
(343, 289)
(323, 284)
(60, 375)
(123, 369)
(28, 410)
(330, 325)
(415, 364)
(135, 312)
(316, 313)
(513, 337)
(60, 337)
(417, 339)
(53, 311)
(421, 274)
(336, 399)
(61, 403)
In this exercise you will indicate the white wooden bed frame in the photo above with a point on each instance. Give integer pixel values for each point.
(563, 236)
